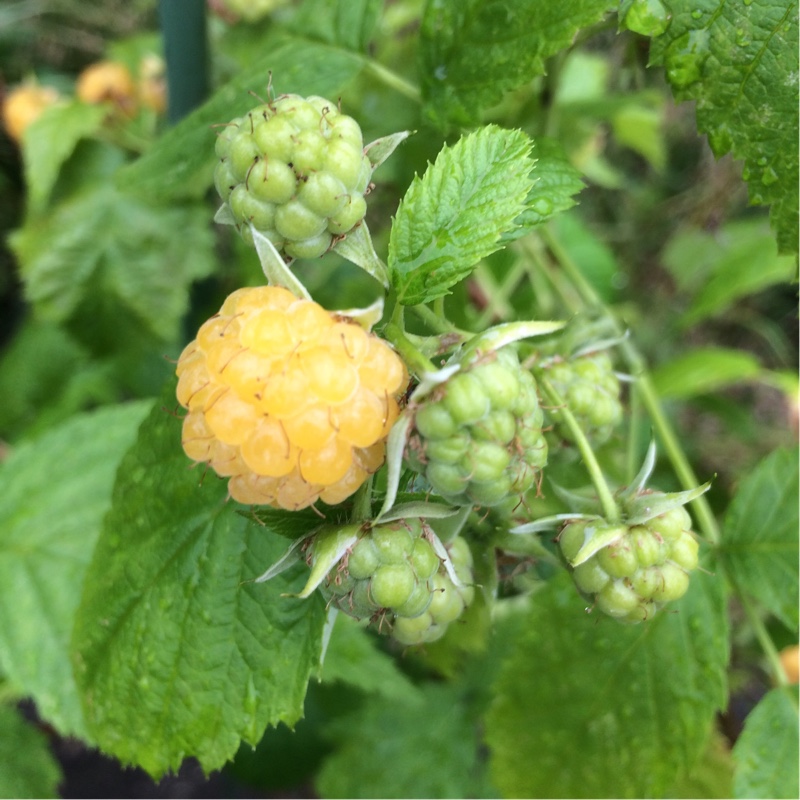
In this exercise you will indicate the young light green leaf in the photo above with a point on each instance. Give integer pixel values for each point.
(49, 141)
(96, 237)
(554, 183)
(628, 706)
(353, 658)
(759, 538)
(766, 752)
(738, 62)
(456, 214)
(425, 746)
(704, 370)
(177, 651)
(346, 23)
(56, 490)
(473, 51)
(27, 767)
(181, 163)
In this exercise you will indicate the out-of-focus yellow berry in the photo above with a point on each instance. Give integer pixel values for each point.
(23, 105)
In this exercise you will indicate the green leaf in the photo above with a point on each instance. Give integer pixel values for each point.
(473, 51)
(181, 164)
(421, 747)
(347, 23)
(49, 141)
(456, 214)
(56, 490)
(759, 538)
(139, 257)
(719, 268)
(766, 751)
(704, 370)
(554, 182)
(27, 768)
(711, 776)
(353, 658)
(603, 709)
(45, 377)
(177, 651)
(738, 62)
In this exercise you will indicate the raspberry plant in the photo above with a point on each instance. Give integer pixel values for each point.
(436, 457)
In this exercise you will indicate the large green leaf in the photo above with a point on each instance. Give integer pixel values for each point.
(49, 142)
(759, 538)
(347, 23)
(766, 751)
(607, 710)
(417, 747)
(705, 369)
(56, 490)
(457, 212)
(177, 651)
(139, 257)
(472, 51)
(181, 163)
(27, 768)
(738, 62)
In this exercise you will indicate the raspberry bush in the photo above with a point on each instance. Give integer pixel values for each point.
(398, 399)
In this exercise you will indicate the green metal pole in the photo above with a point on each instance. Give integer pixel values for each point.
(183, 23)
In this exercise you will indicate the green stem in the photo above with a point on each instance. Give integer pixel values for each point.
(417, 362)
(764, 639)
(393, 80)
(644, 385)
(610, 509)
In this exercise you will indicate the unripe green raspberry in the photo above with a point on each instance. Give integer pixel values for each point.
(591, 391)
(478, 436)
(639, 570)
(304, 158)
(392, 576)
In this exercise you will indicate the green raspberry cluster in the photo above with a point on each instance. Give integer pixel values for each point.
(294, 169)
(647, 566)
(591, 391)
(478, 437)
(393, 574)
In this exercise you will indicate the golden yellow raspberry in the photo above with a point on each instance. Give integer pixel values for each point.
(291, 402)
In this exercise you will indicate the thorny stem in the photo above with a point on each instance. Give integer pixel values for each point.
(647, 392)
(610, 510)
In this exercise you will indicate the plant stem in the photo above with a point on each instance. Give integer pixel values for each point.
(647, 392)
(764, 639)
(417, 362)
(610, 510)
(393, 80)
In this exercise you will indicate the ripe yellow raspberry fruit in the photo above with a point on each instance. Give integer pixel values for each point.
(23, 105)
(108, 82)
(289, 401)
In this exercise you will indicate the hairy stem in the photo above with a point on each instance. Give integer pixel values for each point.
(610, 509)
(647, 392)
